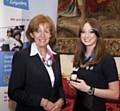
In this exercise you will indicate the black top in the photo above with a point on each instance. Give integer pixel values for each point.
(98, 76)
(30, 82)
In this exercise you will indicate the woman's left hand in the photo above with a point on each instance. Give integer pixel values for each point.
(80, 84)
(58, 105)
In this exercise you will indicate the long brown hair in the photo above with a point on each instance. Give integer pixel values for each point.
(34, 25)
(99, 50)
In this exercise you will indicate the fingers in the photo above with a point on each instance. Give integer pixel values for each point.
(57, 105)
(48, 106)
(70, 85)
(79, 80)
(74, 84)
(55, 108)
(78, 84)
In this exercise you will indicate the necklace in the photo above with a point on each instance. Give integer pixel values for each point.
(86, 62)
(47, 62)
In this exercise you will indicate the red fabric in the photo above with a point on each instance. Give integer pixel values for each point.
(113, 105)
(69, 105)
(70, 94)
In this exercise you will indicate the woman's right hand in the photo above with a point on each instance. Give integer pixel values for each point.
(80, 85)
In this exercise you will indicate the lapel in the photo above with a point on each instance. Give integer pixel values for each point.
(41, 68)
(55, 68)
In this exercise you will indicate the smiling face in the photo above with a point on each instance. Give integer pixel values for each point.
(41, 30)
(42, 35)
(88, 37)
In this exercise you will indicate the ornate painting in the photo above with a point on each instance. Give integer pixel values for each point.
(71, 13)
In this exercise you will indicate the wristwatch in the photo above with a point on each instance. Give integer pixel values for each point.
(91, 91)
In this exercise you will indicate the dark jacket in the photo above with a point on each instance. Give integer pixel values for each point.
(30, 82)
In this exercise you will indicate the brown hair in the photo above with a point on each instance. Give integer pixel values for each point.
(34, 25)
(99, 50)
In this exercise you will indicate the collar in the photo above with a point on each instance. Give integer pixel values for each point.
(34, 50)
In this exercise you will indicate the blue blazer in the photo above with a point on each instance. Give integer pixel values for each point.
(30, 82)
